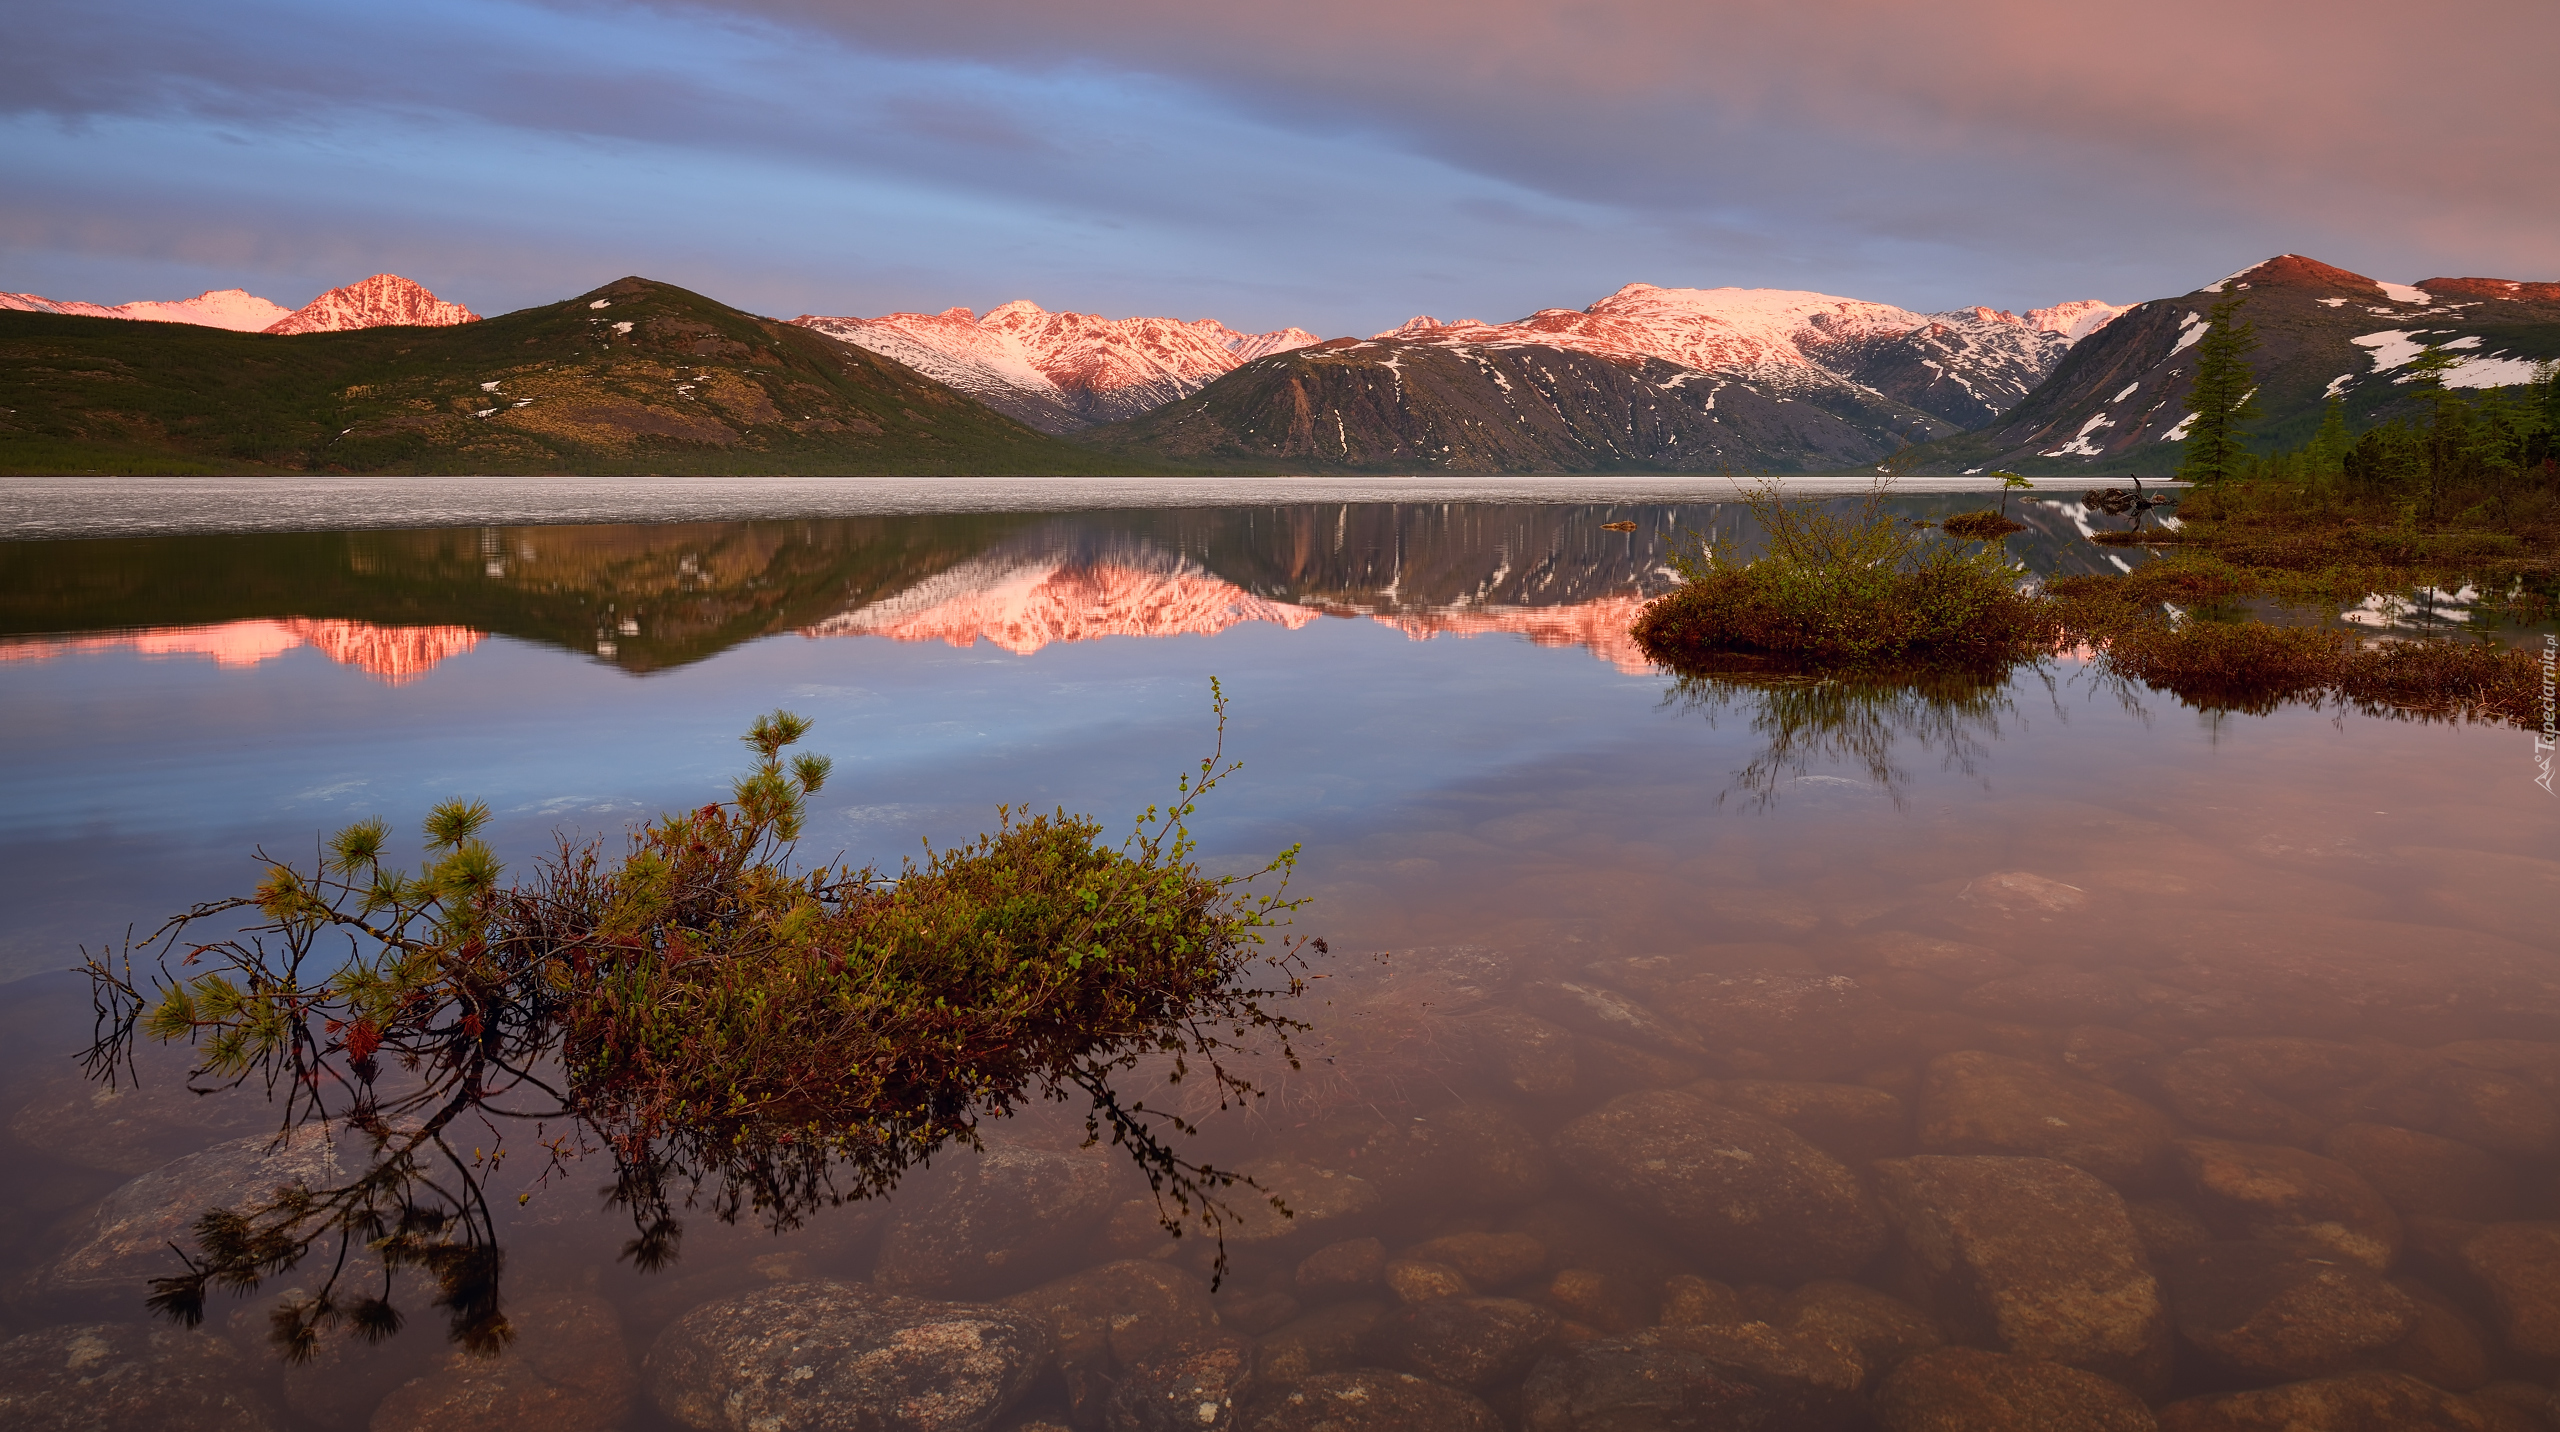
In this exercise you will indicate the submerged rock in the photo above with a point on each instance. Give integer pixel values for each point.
(1414, 1281)
(2213, 1093)
(2427, 1173)
(1740, 1192)
(2055, 994)
(2268, 1191)
(1881, 1328)
(1104, 1321)
(1604, 1302)
(1963, 1389)
(2447, 1347)
(994, 1221)
(1691, 1301)
(1487, 1260)
(90, 1375)
(1320, 1201)
(1470, 1343)
(836, 1357)
(1465, 1156)
(2030, 1256)
(1367, 1400)
(566, 1371)
(1694, 1379)
(2357, 1402)
(1189, 1389)
(2271, 1311)
(1530, 1055)
(1792, 1026)
(1981, 1103)
(126, 1243)
(1851, 1122)
(2519, 1263)
(1607, 1014)
(1351, 1263)
(1326, 1340)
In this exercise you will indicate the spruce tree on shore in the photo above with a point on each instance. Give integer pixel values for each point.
(2222, 397)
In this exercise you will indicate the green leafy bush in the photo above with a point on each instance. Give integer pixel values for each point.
(725, 1025)
(1840, 586)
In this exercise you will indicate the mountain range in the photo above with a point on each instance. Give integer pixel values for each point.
(383, 300)
(1647, 378)
(2117, 402)
(1060, 372)
(633, 377)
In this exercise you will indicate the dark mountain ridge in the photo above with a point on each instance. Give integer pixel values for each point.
(2117, 403)
(1384, 405)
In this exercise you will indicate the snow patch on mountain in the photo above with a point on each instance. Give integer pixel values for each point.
(2402, 293)
(2190, 329)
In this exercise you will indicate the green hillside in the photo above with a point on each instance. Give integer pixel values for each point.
(635, 377)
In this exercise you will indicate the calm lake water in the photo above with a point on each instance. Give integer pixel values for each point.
(1628, 929)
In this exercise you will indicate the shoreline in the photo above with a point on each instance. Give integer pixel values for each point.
(62, 508)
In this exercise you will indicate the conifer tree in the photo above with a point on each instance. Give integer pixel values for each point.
(2221, 399)
(2329, 447)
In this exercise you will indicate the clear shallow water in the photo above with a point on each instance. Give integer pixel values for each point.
(1437, 700)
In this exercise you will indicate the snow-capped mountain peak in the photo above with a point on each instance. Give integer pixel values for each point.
(384, 300)
(232, 308)
(1965, 366)
(1060, 371)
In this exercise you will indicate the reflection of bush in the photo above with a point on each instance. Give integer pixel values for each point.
(1858, 720)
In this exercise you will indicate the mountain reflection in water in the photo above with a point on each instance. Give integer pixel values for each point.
(646, 598)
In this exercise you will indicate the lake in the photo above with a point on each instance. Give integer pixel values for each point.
(1746, 1042)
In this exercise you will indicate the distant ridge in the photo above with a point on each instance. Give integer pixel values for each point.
(232, 308)
(1965, 366)
(382, 301)
(1060, 372)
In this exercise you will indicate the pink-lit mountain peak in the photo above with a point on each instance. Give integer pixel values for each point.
(236, 309)
(1724, 329)
(1060, 371)
(382, 301)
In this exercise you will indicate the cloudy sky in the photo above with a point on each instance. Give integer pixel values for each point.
(1336, 164)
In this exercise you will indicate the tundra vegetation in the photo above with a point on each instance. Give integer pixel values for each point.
(1878, 611)
(733, 1031)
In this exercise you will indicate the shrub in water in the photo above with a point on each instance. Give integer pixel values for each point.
(1840, 586)
(703, 1011)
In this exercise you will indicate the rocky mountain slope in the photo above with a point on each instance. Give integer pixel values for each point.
(635, 377)
(1438, 405)
(1964, 366)
(1060, 372)
(384, 300)
(232, 308)
(2117, 403)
